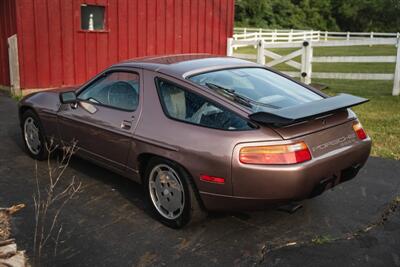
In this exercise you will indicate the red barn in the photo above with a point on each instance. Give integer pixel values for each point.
(65, 42)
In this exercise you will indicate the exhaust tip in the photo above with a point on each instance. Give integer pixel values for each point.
(290, 207)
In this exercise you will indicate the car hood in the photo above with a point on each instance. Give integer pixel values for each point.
(64, 89)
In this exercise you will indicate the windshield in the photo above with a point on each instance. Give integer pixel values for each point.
(264, 89)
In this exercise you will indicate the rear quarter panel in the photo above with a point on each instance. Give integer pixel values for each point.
(199, 150)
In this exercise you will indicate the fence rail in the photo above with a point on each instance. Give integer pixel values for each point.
(305, 50)
(277, 36)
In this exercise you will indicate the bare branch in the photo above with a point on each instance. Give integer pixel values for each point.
(48, 207)
(56, 241)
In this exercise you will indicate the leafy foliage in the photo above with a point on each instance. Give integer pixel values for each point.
(345, 15)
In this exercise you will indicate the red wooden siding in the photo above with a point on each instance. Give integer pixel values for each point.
(54, 52)
(8, 27)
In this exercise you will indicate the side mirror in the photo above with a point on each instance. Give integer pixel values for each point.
(68, 97)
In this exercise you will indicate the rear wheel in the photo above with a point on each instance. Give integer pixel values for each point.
(32, 132)
(171, 194)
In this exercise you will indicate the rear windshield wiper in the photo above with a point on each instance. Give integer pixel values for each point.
(246, 101)
(231, 93)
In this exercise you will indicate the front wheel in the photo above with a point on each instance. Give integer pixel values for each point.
(32, 132)
(170, 193)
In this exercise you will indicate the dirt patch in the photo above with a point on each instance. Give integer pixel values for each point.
(387, 211)
(9, 255)
(4, 226)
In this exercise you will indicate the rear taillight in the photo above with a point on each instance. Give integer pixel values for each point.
(358, 129)
(276, 154)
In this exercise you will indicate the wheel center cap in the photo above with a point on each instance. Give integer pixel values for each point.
(166, 192)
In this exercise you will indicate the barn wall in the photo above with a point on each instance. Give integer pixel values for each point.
(55, 52)
(7, 28)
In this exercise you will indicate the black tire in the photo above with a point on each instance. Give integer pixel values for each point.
(192, 210)
(42, 154)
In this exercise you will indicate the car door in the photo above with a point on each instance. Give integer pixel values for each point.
(104, 118)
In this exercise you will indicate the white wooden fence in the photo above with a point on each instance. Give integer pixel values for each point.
(276, 36)
(305, 50)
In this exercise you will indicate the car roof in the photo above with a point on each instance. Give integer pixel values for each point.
(184, 65)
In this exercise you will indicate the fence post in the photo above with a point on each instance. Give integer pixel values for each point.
(229, 47)
(396, 82)
(273, 35)
(326, 35)
(290, 35)
(245, 32)
(13, 62)
(372, 35)
(306, 62)
(348, 36)
(260, 52)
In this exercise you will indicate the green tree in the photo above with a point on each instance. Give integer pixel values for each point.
(318, 14)
(252, 13)
(368, 15)
(344, 15)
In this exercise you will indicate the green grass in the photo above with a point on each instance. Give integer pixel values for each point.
(323, 239)
(344, 67)
(16, 97)
(381, 116)
(380, 50)
(377, 50)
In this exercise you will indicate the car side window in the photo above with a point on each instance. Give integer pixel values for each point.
(115, 89)
(183, 105)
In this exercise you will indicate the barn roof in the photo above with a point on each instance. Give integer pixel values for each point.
(185, 64)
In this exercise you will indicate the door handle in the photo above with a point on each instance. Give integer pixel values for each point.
(126, 125)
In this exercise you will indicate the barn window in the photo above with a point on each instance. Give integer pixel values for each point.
(92, 17)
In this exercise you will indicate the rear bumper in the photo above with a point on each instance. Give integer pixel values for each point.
(258, 187)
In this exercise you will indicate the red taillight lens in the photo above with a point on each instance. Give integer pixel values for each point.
(212, 179)
(278, 154)
(358, 129)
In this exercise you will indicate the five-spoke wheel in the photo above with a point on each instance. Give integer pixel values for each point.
(171, 193)
(33, 135)
(166, 191)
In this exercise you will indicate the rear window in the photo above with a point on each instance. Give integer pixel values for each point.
(257, 88)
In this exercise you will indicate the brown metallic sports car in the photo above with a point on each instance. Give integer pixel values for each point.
(204, 133)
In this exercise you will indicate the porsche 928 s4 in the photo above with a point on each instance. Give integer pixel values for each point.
(202, 132)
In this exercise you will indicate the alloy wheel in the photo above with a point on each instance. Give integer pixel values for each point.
(32, 136)
(166, 191)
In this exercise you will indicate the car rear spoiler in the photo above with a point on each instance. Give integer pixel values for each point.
(303, 112)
